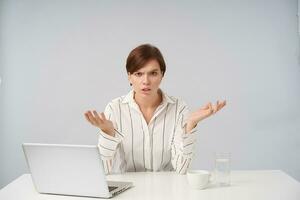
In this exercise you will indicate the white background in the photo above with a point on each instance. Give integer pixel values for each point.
(59, 58)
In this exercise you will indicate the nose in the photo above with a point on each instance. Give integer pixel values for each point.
(146, 80)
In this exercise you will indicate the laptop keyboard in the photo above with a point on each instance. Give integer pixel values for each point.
(111, 188)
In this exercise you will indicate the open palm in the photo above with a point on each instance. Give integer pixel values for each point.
(206, 111)
(100, 121)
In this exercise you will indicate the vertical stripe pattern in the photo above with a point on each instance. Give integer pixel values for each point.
(152, 132)
(143, 143)
(137, 146)
(163, 136)
(132, 139)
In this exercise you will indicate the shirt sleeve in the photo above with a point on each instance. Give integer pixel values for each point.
(109, 145)
(182, 148)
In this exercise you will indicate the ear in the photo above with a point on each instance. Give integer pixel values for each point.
(129, 77)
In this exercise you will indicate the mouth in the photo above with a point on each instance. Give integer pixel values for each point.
(146, 89)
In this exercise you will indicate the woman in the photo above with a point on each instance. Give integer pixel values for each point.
(147, 130)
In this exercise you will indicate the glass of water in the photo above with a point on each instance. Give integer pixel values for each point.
(222, 168)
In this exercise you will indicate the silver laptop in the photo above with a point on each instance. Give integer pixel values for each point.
(70, 170)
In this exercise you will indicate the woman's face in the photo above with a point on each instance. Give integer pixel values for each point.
(146, 81)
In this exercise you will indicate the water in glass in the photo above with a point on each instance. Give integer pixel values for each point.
(222, 169)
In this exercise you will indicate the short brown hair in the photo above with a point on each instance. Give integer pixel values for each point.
(142, 54)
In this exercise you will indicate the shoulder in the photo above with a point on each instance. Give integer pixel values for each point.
(116, 101)
(176, 101)
(177, 104)
(114, 105)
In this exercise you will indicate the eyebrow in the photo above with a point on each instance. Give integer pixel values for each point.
(148, 72)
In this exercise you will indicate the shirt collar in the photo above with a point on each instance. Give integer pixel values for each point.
(129, 98)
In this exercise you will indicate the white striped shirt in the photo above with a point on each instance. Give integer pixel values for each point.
(161, 145)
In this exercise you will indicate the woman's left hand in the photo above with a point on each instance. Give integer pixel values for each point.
(204, 112)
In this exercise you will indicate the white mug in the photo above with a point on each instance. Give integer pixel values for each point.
(199, 179)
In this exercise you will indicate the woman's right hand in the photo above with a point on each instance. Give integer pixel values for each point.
(100, 121)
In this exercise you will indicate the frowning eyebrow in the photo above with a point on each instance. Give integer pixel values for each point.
(155, 70)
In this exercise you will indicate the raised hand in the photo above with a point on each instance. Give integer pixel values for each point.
(203, 112)
(100, 121)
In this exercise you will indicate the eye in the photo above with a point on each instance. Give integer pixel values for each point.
(154, 73)
(138, 74)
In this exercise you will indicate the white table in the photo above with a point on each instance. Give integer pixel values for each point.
(254, 185)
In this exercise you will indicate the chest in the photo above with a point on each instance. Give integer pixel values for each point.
(148, 121)
(148, 115)
(143, 123)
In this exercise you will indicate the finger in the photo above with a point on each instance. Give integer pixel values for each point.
(97, 117)
(215, 108)
(218, 106)
(86, 117)
(91, 117)
(103, 116)
(210, 107)
(221, 105)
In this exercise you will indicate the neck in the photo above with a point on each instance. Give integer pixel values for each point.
(149, 101)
